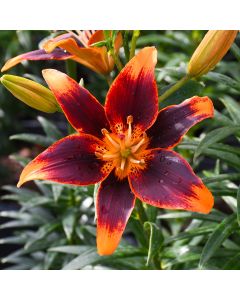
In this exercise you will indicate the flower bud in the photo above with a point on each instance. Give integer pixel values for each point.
(31, 93)
(210, 51)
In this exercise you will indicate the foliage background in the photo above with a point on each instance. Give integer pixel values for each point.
(50, 226)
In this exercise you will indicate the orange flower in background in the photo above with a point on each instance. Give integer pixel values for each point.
(75, 46)
(210, 51)
(125, 146)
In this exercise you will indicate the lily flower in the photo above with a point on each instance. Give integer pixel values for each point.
(76, 46)
(125, 146)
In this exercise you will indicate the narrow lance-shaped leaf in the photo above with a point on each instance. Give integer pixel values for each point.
(214, 137)
(238, 205)
(233, 108)
(222, 231)
(50, 129)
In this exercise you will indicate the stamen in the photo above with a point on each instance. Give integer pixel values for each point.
(134, 161)
(111, 140)
(110, 156)
(136, 147)
(99, 154)
(123, 162)
(129, 133)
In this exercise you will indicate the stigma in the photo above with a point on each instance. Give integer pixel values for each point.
(124, 149)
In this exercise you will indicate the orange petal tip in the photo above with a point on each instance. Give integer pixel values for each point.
(206, 200)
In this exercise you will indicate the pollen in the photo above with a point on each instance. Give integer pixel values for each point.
(124, 149)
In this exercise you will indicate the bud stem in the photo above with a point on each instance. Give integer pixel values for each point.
(135, 36)
(126, 44)
(174, 88)
(116, 59)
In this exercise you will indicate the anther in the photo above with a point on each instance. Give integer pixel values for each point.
(98, 154)
(136, 147)
(111, 140)
(129, 132)
(129, 119)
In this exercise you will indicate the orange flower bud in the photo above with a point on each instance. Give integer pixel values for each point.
(210, 51)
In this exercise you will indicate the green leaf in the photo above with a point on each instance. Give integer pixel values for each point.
(40, 234)
(88, 257)
(155, 240)
(36, 139)
(236, 51)
(77, 250)
(213, 137)
(49, 128)
(190, 89)
(238, 206)
(221, 78)
(233, 263)
(68, 224)
(20, 223)
(221, 151)
(214, 216)
(190, 234)
(221, 232)
(13, 240)
(23, 191)
(221, 177)
(221, 119)
(57, 191)
(233, 108)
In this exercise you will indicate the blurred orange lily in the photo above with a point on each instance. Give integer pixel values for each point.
(77, 46)
(210, 51)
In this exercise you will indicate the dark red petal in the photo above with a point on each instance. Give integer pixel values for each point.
(57, 54)
(71, 160)
(169, 182)
(81, 108)
(115, 202)
(174, 121)
(134, 92)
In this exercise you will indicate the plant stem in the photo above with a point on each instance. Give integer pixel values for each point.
(141, 212)
(109, 79)
(135, 36)
(126, 44)
(174, 88)
(116, 60)
(71, 68)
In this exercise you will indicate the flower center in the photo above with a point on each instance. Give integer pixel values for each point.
(124, 149)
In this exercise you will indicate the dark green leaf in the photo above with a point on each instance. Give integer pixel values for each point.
(221, 232)
(50, 129)
(214, 137)
(36, 139)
